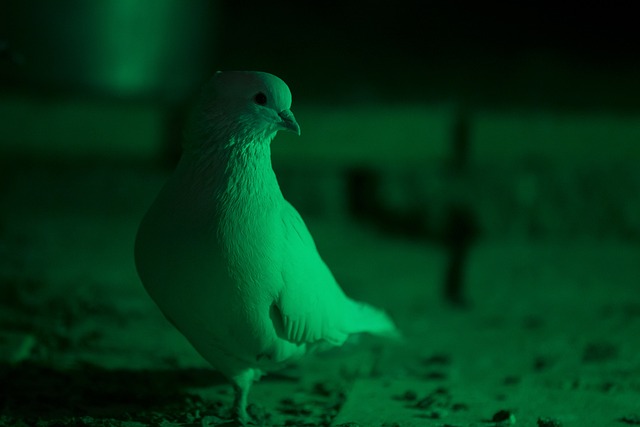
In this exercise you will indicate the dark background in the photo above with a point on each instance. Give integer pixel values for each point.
(472, 168)
(536, 53)
(520, 52)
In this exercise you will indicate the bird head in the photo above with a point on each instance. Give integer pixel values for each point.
(245, 105)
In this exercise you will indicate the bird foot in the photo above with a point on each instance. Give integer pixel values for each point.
(243, 419)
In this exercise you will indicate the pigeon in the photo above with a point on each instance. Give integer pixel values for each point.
(227, 259)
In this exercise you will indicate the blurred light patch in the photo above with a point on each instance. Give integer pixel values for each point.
(569, 138)
(120, 48)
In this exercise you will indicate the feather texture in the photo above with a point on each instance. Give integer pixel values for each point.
(227, 259)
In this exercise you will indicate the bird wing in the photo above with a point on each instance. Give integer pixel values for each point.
(312, 305)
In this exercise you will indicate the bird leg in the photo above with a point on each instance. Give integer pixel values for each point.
(241, 385)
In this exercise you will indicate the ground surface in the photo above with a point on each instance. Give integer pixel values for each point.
(552, 336)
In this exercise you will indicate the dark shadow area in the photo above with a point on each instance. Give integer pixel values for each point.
(366, 204)
(35, 391)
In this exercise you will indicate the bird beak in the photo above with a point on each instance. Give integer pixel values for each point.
(289, 122)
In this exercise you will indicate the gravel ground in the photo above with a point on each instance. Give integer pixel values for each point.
(550, 337)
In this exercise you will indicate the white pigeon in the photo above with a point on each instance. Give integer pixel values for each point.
(227, 259)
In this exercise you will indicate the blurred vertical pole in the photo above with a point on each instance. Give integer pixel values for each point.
(461, 226)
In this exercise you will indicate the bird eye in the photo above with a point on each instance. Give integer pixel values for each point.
(260, 98)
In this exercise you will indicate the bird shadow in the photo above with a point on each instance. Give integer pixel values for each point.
(30, 390)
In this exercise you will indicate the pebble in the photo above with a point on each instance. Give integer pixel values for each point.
(504, 417)
(548, 422)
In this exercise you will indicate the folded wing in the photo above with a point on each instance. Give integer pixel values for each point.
(312, 305)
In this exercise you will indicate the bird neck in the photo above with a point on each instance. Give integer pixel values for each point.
(239, 175)
(248, 170)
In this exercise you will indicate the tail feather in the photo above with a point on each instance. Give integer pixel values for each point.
(369, 319)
